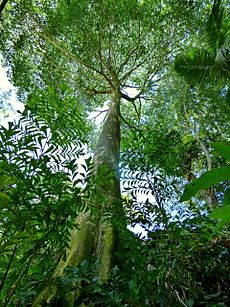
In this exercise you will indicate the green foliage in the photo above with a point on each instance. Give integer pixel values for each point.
(210, 61)
(157, 192)
(222, 214)
(194, 65)
(165, 148)
(61, 109)
(172, 259)
(223, 149)
(210, 178)
(97, 48)
(157, 271)
(205, 181)
(75, 42)
(38, 214)
(40, 197)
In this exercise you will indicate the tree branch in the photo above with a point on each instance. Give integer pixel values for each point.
(99, 113)
(2, 6)
(132, 99)
(206, 153)
(201, 143)
(132, 51)
(127, 59)
(8, 267)
(146, 58)
(97, 92)
(126, 97)
(60, 46)
(59, 70)
(130, 86)
(130, 125)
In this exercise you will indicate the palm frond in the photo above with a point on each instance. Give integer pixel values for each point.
(216, 30)
(195, 66)
(212, 62)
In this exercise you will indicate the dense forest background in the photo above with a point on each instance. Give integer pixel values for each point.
(126, 124)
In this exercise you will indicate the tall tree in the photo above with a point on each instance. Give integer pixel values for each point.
(98, 48)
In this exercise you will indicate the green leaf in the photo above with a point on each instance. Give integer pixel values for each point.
(227, 197)
(223, 149)
(4, 199)
(194, 66)
(205, 181)
(222, 214)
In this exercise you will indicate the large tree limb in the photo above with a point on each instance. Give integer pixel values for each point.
(73, 57)
(136, 66)
(83, 88)
(2, 6)
(48, 37)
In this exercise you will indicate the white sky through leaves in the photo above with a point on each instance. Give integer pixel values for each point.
(10, 105)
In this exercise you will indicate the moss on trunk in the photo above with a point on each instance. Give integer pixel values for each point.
(81, 244)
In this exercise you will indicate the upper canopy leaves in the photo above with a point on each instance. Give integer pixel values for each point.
(94, 45)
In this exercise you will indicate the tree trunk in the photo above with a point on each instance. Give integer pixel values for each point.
(97, 234)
